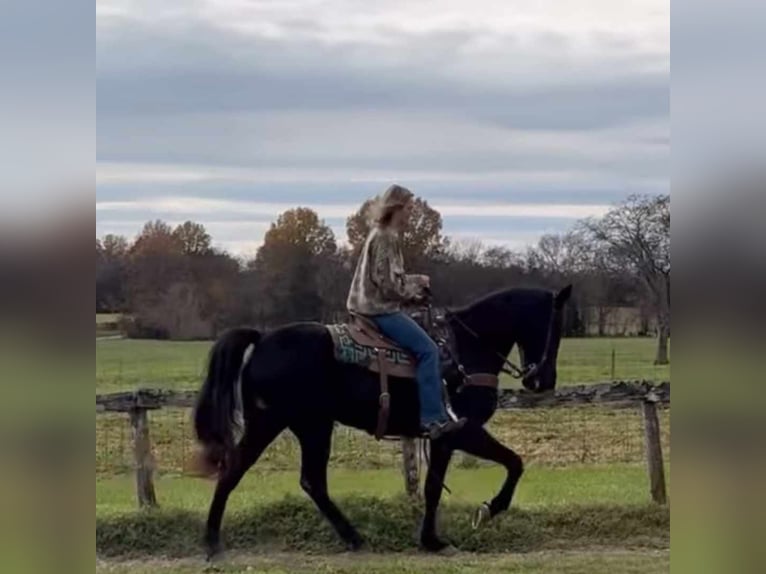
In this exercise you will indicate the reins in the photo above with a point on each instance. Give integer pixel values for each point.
(508, 367)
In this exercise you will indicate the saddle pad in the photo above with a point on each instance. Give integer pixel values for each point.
(347, 350)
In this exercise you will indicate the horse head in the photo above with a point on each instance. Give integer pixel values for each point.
(539, 344)
(484, 334)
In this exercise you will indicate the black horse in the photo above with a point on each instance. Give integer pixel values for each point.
(291, 380)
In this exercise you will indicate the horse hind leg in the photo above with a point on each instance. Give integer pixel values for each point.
(259, 434)
(315, 453)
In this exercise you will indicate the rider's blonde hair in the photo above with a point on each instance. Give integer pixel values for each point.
(393, 199)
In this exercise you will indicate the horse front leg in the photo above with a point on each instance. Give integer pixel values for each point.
(441, 453)
(475, 440)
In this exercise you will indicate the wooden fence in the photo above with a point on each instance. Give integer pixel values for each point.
(624, 394)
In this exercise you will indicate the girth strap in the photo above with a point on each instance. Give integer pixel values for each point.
(384, 400)
(482, 380)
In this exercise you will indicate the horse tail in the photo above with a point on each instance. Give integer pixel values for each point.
(216, 411)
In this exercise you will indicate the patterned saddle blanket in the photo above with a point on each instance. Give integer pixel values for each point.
(359, 342)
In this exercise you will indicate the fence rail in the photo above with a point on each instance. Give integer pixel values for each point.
(620, 394)
(645, 395)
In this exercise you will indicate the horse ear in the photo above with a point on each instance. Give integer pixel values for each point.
(563, 296)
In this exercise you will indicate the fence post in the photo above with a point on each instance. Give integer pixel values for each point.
(410, 466)
(654, 461)
(142, 451)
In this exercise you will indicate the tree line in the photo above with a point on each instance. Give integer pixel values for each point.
(170, 282)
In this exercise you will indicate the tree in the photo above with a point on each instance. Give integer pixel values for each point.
(301, 228)
(421, 240)
(634, 238)
(559, 259)
(114, 247)
(193, 237)
(111, 267)
(156, 261)
(217, 277)
(287, 267)
(161, 296)
(500, 257)
(560, 255)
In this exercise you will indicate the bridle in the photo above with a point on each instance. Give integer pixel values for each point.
(508, 366)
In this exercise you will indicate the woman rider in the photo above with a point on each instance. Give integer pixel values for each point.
(378, 290)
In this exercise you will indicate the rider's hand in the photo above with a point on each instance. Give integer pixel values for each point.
(425, 294)
(423, 281)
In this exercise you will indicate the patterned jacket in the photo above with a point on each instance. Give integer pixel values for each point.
(380, 285)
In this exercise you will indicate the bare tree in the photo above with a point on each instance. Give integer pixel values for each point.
(634, 238)
(556, 253)
(500, 257)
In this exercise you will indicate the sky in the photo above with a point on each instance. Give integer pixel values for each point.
(512, 118)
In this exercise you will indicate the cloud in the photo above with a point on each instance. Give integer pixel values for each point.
(534, 110)
(240, 225)
(212, 208)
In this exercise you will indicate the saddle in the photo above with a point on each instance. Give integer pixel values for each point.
(360, 342)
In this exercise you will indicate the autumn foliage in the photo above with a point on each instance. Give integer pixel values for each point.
(171, 282)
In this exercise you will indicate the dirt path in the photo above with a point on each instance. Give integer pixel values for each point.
(593, 561)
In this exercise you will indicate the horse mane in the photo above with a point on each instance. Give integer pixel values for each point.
(520, 294)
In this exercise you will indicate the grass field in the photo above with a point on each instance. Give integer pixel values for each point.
(127, 364)
(564, 509)
(581, 506)
(540, 487)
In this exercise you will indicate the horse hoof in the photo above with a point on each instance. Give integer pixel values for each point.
(482, 515)
(214, 552)
(448, 550)
(356, 545)
(434, 545)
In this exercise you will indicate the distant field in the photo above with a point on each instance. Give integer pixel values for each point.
(126, 364)
(102, 318)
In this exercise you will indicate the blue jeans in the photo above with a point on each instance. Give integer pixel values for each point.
(403, 330)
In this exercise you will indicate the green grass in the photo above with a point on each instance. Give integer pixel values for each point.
(126, 364)
(540, 487)
(642, 561)
(388, 525)
(567, 508)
